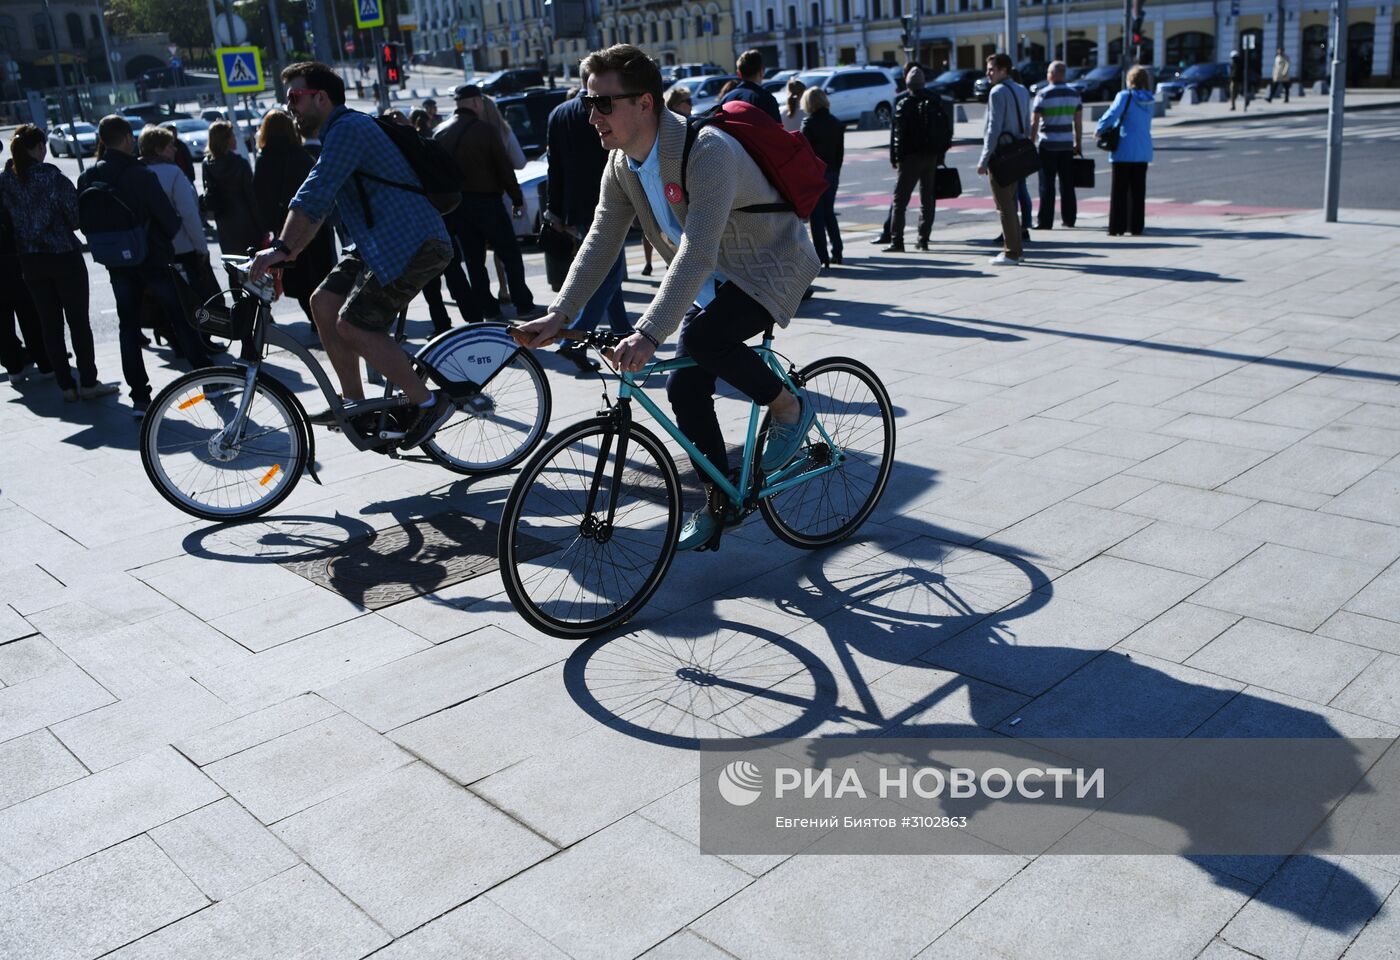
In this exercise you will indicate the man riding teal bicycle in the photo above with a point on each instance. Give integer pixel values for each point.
(732, 274)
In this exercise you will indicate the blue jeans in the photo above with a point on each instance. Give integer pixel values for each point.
(1023, 197)
(606, 300)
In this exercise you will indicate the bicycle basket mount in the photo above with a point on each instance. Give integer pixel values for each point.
(216, 320)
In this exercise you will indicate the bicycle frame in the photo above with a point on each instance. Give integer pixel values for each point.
(632, 386)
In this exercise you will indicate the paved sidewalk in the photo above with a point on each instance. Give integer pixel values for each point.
(1145, 487)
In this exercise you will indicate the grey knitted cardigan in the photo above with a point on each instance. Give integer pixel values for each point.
(767, 255)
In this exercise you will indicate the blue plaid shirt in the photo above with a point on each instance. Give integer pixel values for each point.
(403, 220)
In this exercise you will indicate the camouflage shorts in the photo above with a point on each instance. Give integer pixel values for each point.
(372, 306)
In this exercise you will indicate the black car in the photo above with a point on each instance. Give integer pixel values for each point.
(1071, 74)
(1204, 77)
(160, 77)
(1100, 83)
(511, 81)
(957, 84)
(528, 115)
(1026, 73)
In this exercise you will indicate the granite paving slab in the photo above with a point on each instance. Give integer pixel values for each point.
(223, 849)
(1283, 585)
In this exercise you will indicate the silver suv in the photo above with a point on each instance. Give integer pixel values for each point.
(854, 91)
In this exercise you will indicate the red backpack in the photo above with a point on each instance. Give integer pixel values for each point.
(784, 156)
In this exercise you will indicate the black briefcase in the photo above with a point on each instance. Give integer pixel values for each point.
(1082, 172)
(559, 249)
(947, 183)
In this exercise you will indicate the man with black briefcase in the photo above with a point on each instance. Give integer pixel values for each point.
(1057, 126)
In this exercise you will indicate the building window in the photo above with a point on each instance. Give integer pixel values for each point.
(655, 34)
(845, 11)
(501, 14)
(699, 26)
(771, 22)
(896, 8)
(685, 28)
(875, 10)
(75, 30)
(9, 32)
(43, 40)
(792, 17)
(669, 31)
(816, 14)
(748, 21)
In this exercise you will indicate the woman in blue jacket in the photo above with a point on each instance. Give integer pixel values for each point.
(1133, 107)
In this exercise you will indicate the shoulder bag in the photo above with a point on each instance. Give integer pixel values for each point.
(1108, 140)
(1015, 157)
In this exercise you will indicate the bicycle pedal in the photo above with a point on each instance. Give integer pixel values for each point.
(392, 434)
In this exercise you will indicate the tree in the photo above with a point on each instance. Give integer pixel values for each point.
(185, 21)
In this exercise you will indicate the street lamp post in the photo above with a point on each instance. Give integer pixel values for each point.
(1011, 29)
(63, 86)
(1338, 91)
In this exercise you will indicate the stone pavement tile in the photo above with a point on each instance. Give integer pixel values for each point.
(128, 728)
(1369, 415)
(1359, 540)
(1197, 463)
(1032, 436)
(1239, 433)
(1362, 631)
(1376, 497)
(294, 914)
(1299, 410)
(48, 699)
(1118, 442)
(1304, 474)
(1124, 586)
(1113, 492)
(1187, 505)
(679, 812)
(95, 905)
(223, 849)
(1033, 651)
(30, 657)
(1380, 598)
(1380, 940)
(619, 891)
(1118, 695)
(1286, 586)
(312, 662)
(950, 460)
(248, 731)
(1357, 437)
(203, 586)
(300, 769)
(423, 683)
(1066, 534)
(819, 906)
(479, 929)
(1279, 658)
(1082, 466)
(1132, 417)
(1179, 632)
(498, 728)
(269, 624)
(1101, 906)
(68, 823)
(33, 764)
(954, 946)
(686, 945)
(26, 582)
(12, 625)
(112, 593)
(1204, 553)
(411, 845)
(1376, 693)
(1261, 713)
(1311, 909)
(947, 698)
(1000, 499)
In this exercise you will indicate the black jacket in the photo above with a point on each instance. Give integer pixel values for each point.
(480, 155)
(281, 169)
(915, 130)
(576, 164)
(228, 187)
(752, 93)
(827, 135)
(138, 188)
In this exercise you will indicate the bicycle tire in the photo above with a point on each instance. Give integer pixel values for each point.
(275, 467)
(465, 443)
(848, 399)
(558, 478)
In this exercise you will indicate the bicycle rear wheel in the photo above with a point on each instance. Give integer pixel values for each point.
(497, 428)
(190, 459)
(568, 572)
(852, 406)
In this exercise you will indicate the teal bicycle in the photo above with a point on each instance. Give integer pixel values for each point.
(591, 524)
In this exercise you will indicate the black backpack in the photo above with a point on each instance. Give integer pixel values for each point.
(439, 178)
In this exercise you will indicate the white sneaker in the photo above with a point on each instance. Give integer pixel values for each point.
(1002, 260)
(97, 390)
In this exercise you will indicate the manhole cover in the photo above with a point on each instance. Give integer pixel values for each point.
(407, 561)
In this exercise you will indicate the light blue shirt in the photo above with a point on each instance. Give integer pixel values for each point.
(649, 172)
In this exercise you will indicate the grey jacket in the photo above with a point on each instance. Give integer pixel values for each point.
(1006, 100)
(767, 255)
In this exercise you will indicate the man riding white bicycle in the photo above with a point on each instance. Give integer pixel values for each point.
(732, 274)
(400, 242)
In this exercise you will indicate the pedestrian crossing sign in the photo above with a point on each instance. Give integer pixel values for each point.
(240, 69)
(369, 13)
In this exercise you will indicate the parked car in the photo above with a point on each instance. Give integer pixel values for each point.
(892, 70)
(704, 90)
(1027, 73)
(61, 139)
(775, 87)
(1071, 74)
(1100, 83)
(1204, 77)
(781, 76)
(511, 81)
(957, 84)
(854, 91)
(528, 115)
(682, 70)
(240, 115)
(194, 134)
(534, 184)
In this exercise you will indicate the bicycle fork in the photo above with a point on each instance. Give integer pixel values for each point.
(592, 527)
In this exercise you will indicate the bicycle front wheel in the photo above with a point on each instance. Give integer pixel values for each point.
(568, 570)
(201, 461)
(497, 428)
(853, 408)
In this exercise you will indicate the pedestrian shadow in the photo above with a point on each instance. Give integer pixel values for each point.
(879, 316)
(910, 266)
(1138, 272)
(1221, 233)
(105, 425)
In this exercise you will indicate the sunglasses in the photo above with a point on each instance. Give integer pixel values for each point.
(295, 95)
(605, 104)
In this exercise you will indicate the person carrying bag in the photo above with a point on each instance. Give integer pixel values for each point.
(1008, 155)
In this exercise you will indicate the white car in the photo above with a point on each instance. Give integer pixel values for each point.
(704, 91)
(194, 134)
(532, 178)
(61, 139)
(854, 91)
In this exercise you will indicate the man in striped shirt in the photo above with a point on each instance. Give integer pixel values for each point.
(1057, 126)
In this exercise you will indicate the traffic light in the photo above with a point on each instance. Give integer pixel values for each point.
(1137, 31)
(391, 63)
(907, 38)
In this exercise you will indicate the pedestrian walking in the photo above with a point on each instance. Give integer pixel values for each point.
(430, 107)
(457, 284)
(1279, 79)
(486, 176)
(827, 136)
(43, 209)
(283, 165)
(1128, 194)
(491, 114)
(576, 164)
(1239, 79)
(1008, 111)
(118, 196)
(792, 110)
(678, 100)
(23, 356)
(184, 159)
(228, 193)
(749, 66)
(919, 138)
(1057, 126)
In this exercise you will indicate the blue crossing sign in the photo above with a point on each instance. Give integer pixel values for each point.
(369, 13)
(240, 69)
